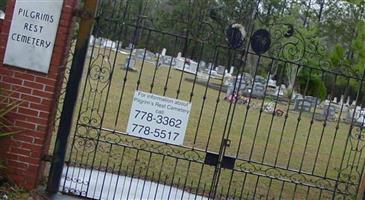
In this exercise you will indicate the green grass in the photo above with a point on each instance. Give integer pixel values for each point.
(285, 142)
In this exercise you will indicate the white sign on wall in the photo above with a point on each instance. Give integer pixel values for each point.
(32, 34)
(158, 118)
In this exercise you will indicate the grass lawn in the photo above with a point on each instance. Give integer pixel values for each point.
(273, 153)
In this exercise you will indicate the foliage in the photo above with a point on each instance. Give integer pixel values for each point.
(311, 85)
(7, 105)
(3, 4)
(8, 192)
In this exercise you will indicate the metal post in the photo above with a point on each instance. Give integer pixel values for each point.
(72, 88)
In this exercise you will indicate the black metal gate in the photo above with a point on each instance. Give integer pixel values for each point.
(247, 138)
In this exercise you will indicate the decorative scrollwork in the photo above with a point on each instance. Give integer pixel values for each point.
(249, 167)
(84, 144)
(193, 155)
(90, 116)
(289, 43)
(287, 175)
(298, 178)
(140, 144)
(273, 172)
(165, 149)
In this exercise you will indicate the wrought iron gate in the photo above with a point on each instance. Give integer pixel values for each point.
(255, 145)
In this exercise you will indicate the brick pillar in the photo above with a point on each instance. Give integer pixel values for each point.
(38, 92)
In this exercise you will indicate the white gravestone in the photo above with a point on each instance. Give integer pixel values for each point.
(32, 34)
(163, 53)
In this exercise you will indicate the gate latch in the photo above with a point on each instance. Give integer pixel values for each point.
(212, 159)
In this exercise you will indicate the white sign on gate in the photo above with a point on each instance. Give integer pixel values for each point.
(158, 118)
(32, 34)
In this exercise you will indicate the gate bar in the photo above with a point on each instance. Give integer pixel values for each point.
(72, 88)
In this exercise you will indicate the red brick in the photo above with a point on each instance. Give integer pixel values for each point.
(23, 138)
(39, 107)
(31, 98)
(46, 102)
(38, 141)
(34, 85)
(25, 125)
(22, 89)
(17, 164)
(25, 76)
(15, 95)
(42, 94)
(14, 115)
(46, 81)
(32, 146)
(6, 86)
(24, 104)
(6, 71)
(20, 151)
(41, 128)
(43, 114)
(27, 111)
(49, 88)
(12, 80)
(37, 120)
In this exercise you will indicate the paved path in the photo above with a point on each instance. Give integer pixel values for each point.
(121, 187)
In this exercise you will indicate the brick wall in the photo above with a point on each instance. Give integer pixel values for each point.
(38, 92)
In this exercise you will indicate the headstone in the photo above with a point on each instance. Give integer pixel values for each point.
(180, 63)
(313, 100)
(231, 70)
(143, 54)
(110, 44)
(130, 46)
(168, 60)
(2, 14)
(258, 90)
(302, 105)
(357, 117)
(98, 41)
(220, 70)
(348, 101)
(282, 90)
(334, 100)
(272, 89)
(202, 65)
(227, 80)
(260, 79)
(329, 112)
(179, 55)
(353, 103)
(163, 53)
(129, 63)
(193, 66)
(120, 45)
(92, 40)
(341, 100)
(295, 96)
